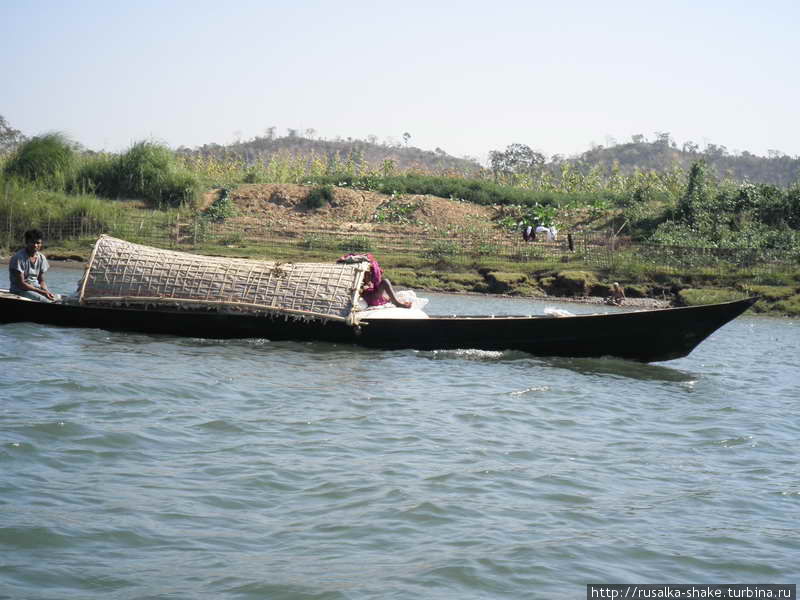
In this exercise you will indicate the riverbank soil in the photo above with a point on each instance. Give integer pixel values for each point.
(284, 207)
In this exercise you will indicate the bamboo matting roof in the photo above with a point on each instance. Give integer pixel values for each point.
(122, 273)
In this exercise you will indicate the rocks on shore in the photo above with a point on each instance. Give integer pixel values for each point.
(648, 303)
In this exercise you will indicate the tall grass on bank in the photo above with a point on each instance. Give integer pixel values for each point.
(147, 170)
(24, 205)
(69, 218)
(49, 160)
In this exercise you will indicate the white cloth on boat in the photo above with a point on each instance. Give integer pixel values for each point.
(557, 312)
(411, 296)
(390, 311)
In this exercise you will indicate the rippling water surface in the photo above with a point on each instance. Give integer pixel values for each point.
(136, 466)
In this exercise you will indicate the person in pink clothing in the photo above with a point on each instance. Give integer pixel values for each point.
(376, 289)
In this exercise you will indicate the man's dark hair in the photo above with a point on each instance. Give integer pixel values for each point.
(32, 235)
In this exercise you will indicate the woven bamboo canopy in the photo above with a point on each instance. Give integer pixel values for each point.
(121, 273)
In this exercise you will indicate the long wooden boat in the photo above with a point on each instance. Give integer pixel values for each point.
(647, 336)
(124, 295)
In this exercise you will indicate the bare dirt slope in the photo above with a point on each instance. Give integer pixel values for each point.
(282, 207)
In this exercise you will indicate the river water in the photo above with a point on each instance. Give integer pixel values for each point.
(136, 466)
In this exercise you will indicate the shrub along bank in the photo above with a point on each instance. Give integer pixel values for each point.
(146, 171)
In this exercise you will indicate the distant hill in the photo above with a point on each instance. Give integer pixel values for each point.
(405, 157)
(661, 155)
(777, 169)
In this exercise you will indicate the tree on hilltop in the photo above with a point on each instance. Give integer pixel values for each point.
(516, 159)
(10, 138)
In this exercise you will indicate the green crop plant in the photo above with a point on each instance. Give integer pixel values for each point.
(221, 208)
(396, 210)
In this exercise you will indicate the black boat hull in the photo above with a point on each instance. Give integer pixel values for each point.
(647, 336)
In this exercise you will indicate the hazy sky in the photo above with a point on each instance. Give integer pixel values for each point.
(465, 76)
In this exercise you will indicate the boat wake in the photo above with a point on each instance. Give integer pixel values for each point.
(609, 365)
(469, 354)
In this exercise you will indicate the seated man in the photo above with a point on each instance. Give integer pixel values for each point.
(27, 268)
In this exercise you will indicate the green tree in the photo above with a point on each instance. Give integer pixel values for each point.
(698, 194)
(516, 159)
(663, 139)
(690, 147)
(10, 138)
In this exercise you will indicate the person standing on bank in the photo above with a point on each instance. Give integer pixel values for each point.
(27, 268)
